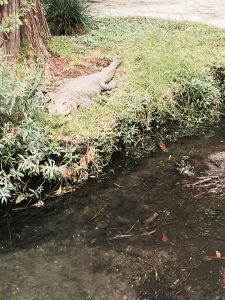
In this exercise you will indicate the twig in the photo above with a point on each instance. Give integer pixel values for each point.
(210, 175)
(132, 227)
(131, 235)
(196, 196)
(210, 184)
(147, 233)
(121, 236)
(120, 186)
(156, 274)
(202, 181)
(95, 216)
(214, 257)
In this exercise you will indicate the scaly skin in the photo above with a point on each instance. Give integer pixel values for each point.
(77, 92)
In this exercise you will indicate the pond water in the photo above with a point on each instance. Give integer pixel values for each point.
(138, 233)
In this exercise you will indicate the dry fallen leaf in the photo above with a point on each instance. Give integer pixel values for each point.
(163, 147)
(188, 289)
(218, 254)
(165, 237)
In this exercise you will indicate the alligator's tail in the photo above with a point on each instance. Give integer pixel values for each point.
(108, 72)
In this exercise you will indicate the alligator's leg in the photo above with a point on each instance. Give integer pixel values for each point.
(107, 74)
(108, 86)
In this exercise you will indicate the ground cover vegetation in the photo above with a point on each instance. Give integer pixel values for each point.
(170, 86)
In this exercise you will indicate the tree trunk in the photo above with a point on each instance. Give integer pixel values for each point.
(10, 42)
(33, 31)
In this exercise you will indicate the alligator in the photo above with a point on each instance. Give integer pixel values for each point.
(78, 92)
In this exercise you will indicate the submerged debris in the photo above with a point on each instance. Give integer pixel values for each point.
(214, 179)
(185, 168)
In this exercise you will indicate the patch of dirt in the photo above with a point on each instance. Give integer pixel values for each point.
(63, 69)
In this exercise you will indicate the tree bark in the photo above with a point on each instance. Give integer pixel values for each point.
(10, 42)
(33, 31)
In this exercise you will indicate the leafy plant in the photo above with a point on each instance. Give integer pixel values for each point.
(67, 16)
(29, 159)
(200, 98)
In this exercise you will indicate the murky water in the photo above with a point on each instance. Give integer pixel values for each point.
(103, 242)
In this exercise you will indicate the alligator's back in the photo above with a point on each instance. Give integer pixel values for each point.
(77, 92)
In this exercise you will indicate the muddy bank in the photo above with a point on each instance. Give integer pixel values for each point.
(208, 12)
(104, 241)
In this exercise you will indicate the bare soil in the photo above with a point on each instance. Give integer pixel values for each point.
(63, 69)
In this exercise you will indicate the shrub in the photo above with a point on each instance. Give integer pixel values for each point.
(67, 16)
(28, 158)
(199, 98)
(22, 141)
(31, 163)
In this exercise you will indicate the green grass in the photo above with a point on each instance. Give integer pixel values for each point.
(62, 46)
(164, 64)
